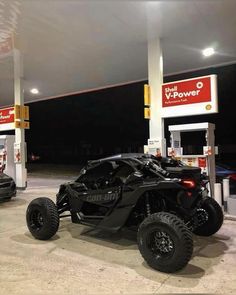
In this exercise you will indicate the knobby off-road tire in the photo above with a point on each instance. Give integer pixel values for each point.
(215, 218)
(42, 218)
(165, 229)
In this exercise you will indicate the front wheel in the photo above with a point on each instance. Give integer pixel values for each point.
(42, 218)
(215, 218)
(165, 242)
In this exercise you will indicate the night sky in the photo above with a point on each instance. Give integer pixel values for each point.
(89, 125)
(96, 124)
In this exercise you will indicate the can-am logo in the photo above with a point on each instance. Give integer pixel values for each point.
(186, 92)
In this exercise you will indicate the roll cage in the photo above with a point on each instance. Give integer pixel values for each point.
(119, 168)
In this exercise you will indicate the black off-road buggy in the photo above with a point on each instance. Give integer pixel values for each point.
(161, 198)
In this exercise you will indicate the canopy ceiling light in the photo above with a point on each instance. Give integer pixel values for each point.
(208, 51)
(34, 91)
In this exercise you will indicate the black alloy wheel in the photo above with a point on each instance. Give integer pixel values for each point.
(165, 242)
(160, 243)
(36, 220)
(215, 218)
(42, 218)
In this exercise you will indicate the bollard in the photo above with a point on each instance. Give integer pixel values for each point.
(218, 193)
(226, 192)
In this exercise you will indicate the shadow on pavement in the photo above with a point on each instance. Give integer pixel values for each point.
(121, 248)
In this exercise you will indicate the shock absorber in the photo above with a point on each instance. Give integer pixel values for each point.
(148, 207)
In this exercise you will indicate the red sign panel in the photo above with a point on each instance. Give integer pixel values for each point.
(7, 115)
(186, 92)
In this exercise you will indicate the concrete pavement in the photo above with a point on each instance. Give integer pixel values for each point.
(80, 260)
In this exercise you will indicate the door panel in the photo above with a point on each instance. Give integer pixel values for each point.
(104, 197)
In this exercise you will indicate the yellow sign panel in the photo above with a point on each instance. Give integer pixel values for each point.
(22, 124)
(17, 124)
(17, 112)
(147, 95)
(147, 113)
(25, 112)
(25, 125)
(21, 112)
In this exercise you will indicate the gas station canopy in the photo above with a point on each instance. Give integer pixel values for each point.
(73, 46)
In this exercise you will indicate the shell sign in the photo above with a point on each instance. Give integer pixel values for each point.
(14, 117)
(7, 115)
(190, 97)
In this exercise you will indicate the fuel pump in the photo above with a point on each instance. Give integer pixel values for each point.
(206, 160)
(7, 164)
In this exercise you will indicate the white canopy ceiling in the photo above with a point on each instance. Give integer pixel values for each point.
(71, 46)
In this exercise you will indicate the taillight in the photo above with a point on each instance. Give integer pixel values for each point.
(232, 176)
(188, 183)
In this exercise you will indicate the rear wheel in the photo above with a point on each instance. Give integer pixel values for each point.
(42, 218)
(165, 242)
(215, 218)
